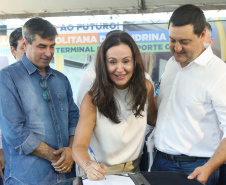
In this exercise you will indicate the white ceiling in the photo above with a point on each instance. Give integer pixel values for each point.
(49, 8)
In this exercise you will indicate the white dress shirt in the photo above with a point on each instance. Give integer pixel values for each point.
(192, 106)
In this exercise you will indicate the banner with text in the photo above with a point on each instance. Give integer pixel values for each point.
(88, 43)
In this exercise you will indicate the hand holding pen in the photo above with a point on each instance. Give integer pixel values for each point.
(94, 170)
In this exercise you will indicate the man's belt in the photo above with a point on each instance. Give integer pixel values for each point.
(178, 158)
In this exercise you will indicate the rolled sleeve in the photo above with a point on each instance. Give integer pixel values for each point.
(73, 115)
(29, 145)
(72, 131)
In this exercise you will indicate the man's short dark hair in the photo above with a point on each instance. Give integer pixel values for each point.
(189, 14)
(15, 36)
(38, 26)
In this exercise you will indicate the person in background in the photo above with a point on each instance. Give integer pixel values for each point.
(208, 37)
(191, 102)
(86, 82)
(16, 43)
(37, 139)
(115, 111)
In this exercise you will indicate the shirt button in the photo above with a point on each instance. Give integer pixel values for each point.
(56, 122)
(52, 108)
(58, 137)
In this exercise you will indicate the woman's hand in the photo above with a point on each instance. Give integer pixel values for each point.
(95, 171)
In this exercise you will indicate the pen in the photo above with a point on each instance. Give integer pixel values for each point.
(91, 151)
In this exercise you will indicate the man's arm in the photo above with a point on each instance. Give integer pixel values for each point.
(46, 152)
(71, 139)
(219, 157)
(61, 159)
(202, 173)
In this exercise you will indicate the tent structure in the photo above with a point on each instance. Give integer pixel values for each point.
(50, 8)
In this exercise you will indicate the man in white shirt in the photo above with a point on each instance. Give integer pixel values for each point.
(191, 102)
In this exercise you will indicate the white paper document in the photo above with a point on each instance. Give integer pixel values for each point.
(111, 180)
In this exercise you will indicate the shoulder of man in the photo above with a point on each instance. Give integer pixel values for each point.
(11, 69)
(12, 66)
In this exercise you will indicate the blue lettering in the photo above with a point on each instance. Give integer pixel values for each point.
(105, 26)
(70, 27)
(85, 27)
(67, 50)
(79, 26)
(92, 49)
(62, 50)
(57, 50)
(91, 24)
(63, 28)
(112, 25)
(87, 49)
(81, 49)
(73, 49)
(98, 27)
(144, 47)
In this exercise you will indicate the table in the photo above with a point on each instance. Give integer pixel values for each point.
(154, 178)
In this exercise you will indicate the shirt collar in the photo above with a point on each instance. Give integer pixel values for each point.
(31, 68)
(204, 58)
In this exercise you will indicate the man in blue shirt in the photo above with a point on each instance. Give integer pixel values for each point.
(37, 113)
